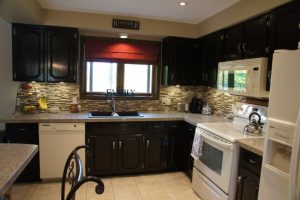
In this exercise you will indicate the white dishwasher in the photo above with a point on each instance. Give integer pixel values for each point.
(57, 140)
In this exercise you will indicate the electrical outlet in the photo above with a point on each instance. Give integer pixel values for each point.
(166, 101)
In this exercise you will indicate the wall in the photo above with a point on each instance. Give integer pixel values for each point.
(240, 11)
(103, 23)
(8, 88)
(61, 94)
(22, 11)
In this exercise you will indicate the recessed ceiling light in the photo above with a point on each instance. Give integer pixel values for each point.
(182, 3)
(123, 35)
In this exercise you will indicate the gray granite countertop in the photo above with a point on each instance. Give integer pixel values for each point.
(83, 117)
(256, 145)
(13, 160)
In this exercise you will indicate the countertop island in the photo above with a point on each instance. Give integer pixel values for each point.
(13, 160)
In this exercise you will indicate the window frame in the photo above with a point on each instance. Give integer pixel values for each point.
(156, 73)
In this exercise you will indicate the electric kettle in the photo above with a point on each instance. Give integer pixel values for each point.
(254, 127)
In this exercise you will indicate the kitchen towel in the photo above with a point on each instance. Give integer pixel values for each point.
(197, 144)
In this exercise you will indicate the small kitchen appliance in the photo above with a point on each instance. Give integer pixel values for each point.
(254, 127)
(243, 77)
(196, 105)
(216, 158)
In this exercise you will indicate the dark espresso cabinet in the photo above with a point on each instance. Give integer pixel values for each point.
(248, 39)
(210, 51)
(115, 148)
(178, 61)
(28, 53)
(248, 175)
(62, 54)
(25, 133)
(44, 53)
(134, 147)
(284, 31)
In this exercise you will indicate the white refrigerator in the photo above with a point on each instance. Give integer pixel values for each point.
(280, 168)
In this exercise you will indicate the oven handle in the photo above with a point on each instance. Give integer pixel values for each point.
(216, 141)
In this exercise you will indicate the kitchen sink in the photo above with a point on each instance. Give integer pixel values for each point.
(97, 114)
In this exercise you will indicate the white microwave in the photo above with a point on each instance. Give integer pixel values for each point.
(244, 77)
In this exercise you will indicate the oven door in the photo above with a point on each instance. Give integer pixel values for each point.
(216, 161)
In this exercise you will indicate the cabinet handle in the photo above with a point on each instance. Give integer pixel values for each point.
(267, 50)
(113, 145)
(15, 76)
(269, 75)
(252, 161)
(156, 126)
(203, 77)
(239, 48)
(21, 129)
(206, 75)
(175, 126)
(240, 180)
(148, 142)
(120, 145)
(244, 47)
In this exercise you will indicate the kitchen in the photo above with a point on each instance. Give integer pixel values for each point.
(60, 94)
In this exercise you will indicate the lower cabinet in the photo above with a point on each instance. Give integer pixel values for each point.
(130, 153)
(26, 133)
(155, 152)
(248, 175)
(134, 147)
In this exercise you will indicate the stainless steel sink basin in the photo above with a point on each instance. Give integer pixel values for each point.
(96, 114)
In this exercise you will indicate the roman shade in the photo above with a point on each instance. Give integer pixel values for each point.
(121, 51)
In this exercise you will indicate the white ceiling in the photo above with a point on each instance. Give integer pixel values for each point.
(195, 11)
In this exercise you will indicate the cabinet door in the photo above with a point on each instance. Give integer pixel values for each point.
(200, 62)
(155, 154)
(233, 43)
(176, 135)
(28, 52)
(25, 134)
(256, 38)
(248, 185)
(179, 60)
(62, 54)
(130, 153)
(284, 30)
(214, 54)
(102, 157)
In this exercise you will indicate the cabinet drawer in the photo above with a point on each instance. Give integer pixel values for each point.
(175, 127)
(251, 161)
(115, 128)
(156, 127)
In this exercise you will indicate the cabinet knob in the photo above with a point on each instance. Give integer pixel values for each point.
(240, 179)
(239, 48)
(244, 47)
(252, 161)
(113, 145)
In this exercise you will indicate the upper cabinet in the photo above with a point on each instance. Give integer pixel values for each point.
(178, 61)
(28, 53)
(44, 53)
(284, 30)
(210, 51)
(247, 40)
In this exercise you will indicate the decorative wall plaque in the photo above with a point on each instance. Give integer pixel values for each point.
(127, 24)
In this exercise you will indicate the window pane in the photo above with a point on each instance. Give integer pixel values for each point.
(101, 76)
(138, 77)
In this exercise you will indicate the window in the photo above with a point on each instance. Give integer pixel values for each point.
(121, 69)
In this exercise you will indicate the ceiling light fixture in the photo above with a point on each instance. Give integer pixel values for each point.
(182, 3)
(123, 35)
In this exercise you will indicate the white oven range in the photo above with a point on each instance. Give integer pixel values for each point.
(215, 170)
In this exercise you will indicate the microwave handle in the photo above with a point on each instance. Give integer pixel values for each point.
(216, 141)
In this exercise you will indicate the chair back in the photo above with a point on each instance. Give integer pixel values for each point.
(73, 175)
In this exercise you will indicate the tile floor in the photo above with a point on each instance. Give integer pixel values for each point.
(163, 186)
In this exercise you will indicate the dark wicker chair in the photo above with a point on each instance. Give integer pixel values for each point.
(73, 174)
